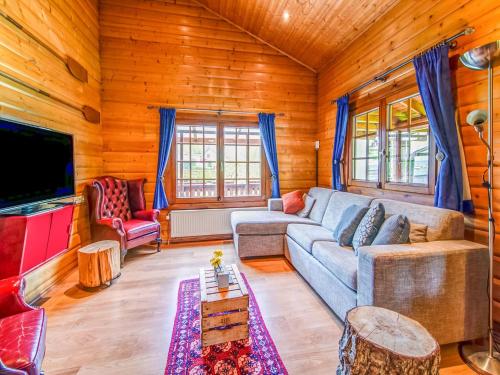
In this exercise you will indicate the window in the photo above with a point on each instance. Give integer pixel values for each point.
(391, 146)
(218, 161)
(365, 148)
(242, 162)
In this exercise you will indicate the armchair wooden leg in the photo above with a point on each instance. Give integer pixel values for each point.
(122, 258)
(158, 245)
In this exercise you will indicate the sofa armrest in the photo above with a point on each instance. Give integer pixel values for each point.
(147, 215)
(112, 223)
(275, 204)
(12, 296)
(437, 283)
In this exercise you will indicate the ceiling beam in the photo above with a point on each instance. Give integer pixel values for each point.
(217, 14)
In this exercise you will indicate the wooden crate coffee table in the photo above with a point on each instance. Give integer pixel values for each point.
(224, 313)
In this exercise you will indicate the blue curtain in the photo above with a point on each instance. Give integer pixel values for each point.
(268, 136)
(339, 141)
(167, 130)
(434, 84)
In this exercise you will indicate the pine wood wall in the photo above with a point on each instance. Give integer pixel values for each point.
(70, 28)
(177, 54)
(400, 34)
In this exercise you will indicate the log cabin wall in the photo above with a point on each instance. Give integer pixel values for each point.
(404, 31)
(69, 28)
(177, 54)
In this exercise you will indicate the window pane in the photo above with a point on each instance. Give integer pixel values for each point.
(254, 188)
(229, 188)
(196, 170)
(210, 188)
(241, 153)
(359, 169)
(229, 153)
(242, 136)
(241, 170)
(196, 188)
(398, 115)
(360, 147)
(229, 136)
(254, 170)
(197, 152)
(183, 152)
(183, 170)
(418, 115)
(197, 135)
(254, 136)
(183, 134)
(242, 188)
(210, 135)
(254, 153)
(419, 156)
(183, 188)
(230, 171)
(210, 153)
(210, 171)
(372, 170)
(398, 142)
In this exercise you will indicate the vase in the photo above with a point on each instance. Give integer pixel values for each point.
(222, 277)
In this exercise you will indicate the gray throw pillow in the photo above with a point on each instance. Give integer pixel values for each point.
(349, 221)
(308, 205)
(368, 227)
(395, 230)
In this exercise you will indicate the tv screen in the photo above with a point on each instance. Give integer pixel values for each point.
(35, 164)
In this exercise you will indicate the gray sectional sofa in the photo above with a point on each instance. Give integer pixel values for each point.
(442, 282)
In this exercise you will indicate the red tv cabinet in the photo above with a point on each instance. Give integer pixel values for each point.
(29, 240)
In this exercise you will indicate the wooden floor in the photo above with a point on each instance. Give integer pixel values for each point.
(125, 329)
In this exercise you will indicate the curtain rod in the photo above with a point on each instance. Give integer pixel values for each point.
(382, 77)
(218, 111)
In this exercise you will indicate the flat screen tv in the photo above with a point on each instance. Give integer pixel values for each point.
(36, 165)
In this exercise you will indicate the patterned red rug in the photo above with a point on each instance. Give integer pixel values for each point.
(256, 355)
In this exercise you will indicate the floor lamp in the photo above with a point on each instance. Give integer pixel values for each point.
(481, 359)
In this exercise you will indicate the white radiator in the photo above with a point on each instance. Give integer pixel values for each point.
(203, 222)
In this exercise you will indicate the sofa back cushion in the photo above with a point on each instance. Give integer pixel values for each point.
(322, 197)
(339, 201)
(441, 224)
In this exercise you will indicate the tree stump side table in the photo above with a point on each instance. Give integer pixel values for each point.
(381, 341)
(99, 263)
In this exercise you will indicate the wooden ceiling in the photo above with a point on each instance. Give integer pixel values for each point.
(316, 30)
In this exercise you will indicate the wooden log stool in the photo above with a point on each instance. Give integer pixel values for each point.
(99, 263)
(381, 341)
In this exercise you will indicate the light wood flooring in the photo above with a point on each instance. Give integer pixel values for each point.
(125, 329)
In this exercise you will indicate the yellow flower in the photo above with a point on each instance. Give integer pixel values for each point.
(218, 253)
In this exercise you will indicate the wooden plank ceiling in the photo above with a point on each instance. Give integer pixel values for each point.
(314, 32)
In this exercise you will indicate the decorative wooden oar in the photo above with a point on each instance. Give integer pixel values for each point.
(73, 66)
(89, 113)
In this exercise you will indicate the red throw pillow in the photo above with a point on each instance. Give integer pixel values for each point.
(293, 202)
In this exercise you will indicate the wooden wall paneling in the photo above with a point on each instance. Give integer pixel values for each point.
(400, 34)
(70, 28)
(181, 55)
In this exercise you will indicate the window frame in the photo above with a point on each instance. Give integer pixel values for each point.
(218, 201)
(383, 104)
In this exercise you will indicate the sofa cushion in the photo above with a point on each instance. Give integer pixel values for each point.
(349, 221)
(418, 233)
(442, 224)
(339, 260)
(339, 201)
(395, 230)
(293, 202)
(27, 353)
(308, 205)
(137, 228)
(305, 235)
(264, 222)
(322, 197)
(369, 226)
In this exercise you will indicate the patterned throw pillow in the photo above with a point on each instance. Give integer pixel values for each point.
(368, 227)
(395, 230)
(309, 203)
(349, 221)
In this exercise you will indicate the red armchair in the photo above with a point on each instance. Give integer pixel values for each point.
(118, 212)
(22, 331)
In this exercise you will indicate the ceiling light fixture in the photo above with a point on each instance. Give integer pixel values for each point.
(286, 15)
